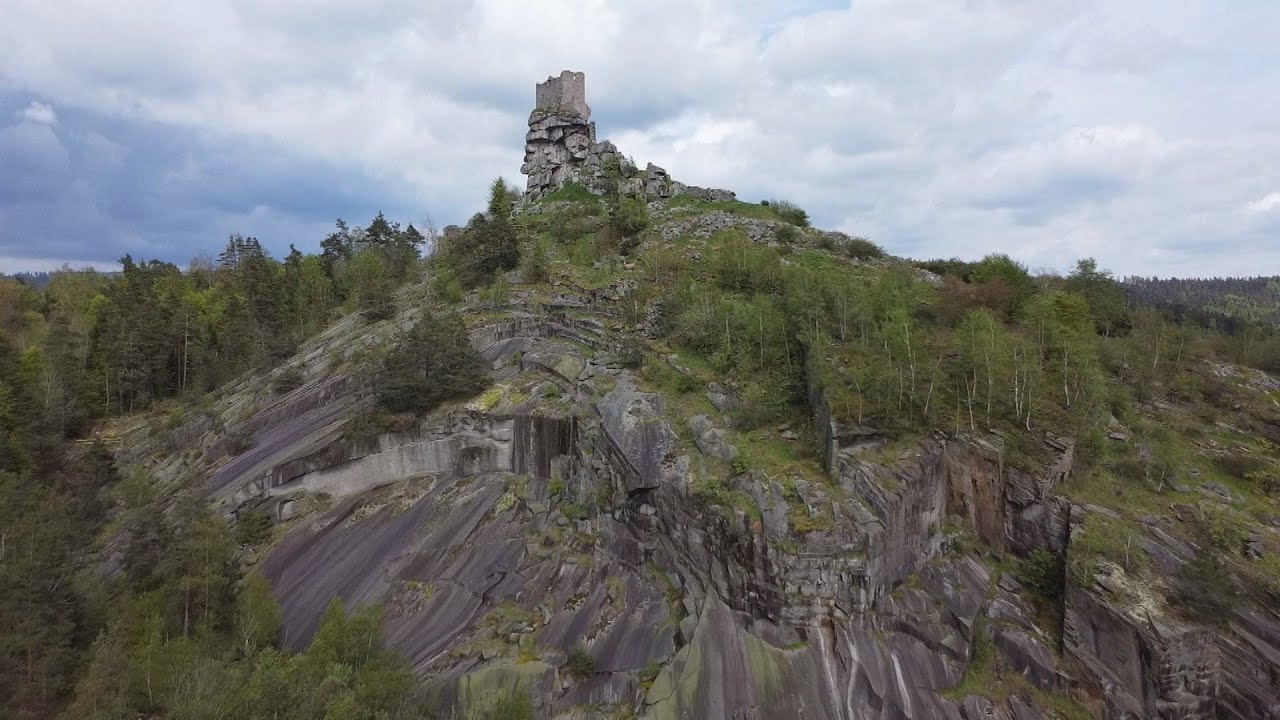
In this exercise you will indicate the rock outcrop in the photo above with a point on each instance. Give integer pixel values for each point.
(561, 147)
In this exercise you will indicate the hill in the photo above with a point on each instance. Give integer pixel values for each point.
(614, 453)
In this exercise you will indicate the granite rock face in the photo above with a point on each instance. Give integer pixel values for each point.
(561, 147)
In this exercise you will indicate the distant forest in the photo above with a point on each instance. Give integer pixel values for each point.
(1228, 305)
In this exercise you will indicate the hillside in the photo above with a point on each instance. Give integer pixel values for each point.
(626, 448)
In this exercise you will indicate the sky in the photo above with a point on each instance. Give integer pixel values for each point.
(1145, 133)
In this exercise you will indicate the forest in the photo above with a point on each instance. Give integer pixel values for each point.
(117, 602)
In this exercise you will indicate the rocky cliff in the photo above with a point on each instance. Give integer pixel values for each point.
(595, 501)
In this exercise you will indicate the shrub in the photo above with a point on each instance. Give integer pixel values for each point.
(789, 212)
(1241, 465)
(743, 266)
(580, 663)
(445, 283)
(288, 379)
(628, 216)
(860, 248)
(786, 234)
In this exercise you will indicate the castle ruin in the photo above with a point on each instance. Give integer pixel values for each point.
(561, 147)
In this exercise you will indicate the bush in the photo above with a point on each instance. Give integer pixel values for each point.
(786, 234)
(432, 363)
(789, 212)
(289, 379)
(954, 267)
(860, 248)
(580, 663)
(1241, 465)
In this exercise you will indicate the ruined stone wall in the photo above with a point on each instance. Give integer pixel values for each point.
(566, 92)
(561, 147)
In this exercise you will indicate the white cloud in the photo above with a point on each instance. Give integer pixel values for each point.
(1268, 203)
(1134, 131)
(40, 113)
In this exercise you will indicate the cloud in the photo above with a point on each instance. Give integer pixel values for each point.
(1268, 203)
(1133, 131)
(40, 113)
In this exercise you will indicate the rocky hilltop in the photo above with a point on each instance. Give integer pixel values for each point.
(609, 498)
(561, 147)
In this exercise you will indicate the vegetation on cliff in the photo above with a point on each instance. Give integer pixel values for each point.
(120, 597)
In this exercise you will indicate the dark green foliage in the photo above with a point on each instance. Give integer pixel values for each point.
(50, 513)
(1106, 301)
(253, 528)
(789, 212)
(1204, 587)
(432, 363)
(580, 663)
(1043, 573)
(488, 245)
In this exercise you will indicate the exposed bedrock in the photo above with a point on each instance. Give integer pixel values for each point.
(500, 540)
(461, 531)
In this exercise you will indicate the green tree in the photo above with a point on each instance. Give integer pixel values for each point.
(372, 285)
(1002, 271)
(1107, 305)
(432, 363)
(257, 615)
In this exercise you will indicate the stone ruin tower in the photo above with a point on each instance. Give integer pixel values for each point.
(561, 147)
